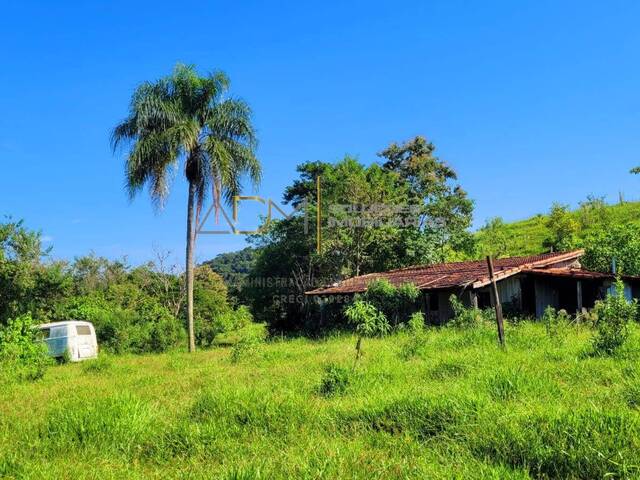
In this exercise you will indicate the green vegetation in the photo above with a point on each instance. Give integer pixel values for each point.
(614, 314)
(22, 356)
(561, 229)
(134, 309)
(460, 408)
(408, 209)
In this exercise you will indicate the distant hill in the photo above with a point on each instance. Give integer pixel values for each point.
(526, 237)
(233, 266)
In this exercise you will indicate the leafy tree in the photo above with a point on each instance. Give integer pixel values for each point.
(185, 119)
(493, 238)
(407, 211)
(619, 242)
(363, 207)
(368, 322)
(286, 266)
(26, 283)
(446, 211)
(562, 227)
(614, 314)
(210, 304)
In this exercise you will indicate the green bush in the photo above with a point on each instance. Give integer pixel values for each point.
(394, 302)
(367, 320)
(143, 326)
(228, 321)
(464, 317)
(556, 323)
(248, 343)
(614, 314)
(417, 338)
(23, 354)
(335, 380)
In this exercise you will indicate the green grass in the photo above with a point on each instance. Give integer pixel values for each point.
(458, 408)
(526, 237)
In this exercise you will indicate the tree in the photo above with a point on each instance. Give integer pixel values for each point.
(563, 228)
(26, 283)
(375, 217)
(368, 322)
(493, 238)
(446, 211)
(184, 120)
(620, 242)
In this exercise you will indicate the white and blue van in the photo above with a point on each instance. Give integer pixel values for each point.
(76, 338)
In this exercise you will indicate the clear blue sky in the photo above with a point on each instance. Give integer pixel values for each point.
(530, 102)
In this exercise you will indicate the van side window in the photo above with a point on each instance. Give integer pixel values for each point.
(83, 330)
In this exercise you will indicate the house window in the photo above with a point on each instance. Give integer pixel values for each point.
(434, 302)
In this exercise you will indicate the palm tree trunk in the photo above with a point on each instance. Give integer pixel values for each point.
(191, 241)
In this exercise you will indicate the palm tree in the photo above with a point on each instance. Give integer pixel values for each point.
(185, 121)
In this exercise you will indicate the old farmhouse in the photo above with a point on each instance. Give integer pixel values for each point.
(525, 284)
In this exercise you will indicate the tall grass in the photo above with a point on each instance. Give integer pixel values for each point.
(459, 408)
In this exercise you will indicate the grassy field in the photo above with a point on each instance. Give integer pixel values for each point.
(459, 408)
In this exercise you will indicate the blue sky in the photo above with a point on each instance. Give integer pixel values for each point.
(531, 102)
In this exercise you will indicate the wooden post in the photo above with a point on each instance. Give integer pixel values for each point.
(474, 299)
(496, 301)
(579, 295)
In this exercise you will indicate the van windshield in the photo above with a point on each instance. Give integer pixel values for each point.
(57, 332)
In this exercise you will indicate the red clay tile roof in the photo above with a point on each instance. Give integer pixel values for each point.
(457, 274)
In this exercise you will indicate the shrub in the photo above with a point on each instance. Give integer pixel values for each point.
(142, 325)
(416, 323)
(228, 321)
(464, 317)
(368, 322)
(23, 354)
(417, 337)
(556, 323)
(335, 380)
(614, 314)
(394, 302)
(248, 343)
